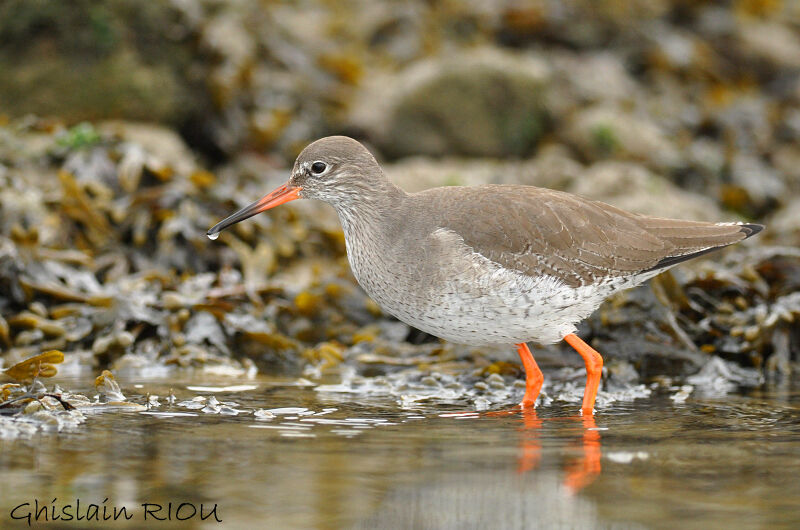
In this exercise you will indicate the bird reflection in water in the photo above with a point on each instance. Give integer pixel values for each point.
(579, 474)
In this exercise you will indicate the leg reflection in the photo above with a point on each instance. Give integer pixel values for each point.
(585, 471)
(579, 474)
(530, 446)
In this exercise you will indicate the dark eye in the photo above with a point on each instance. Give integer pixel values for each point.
(318, 167)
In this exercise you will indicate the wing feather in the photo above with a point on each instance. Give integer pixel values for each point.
(540, 231)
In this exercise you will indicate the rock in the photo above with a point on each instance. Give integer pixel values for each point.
(161, 146)
(784, 225)
(626, 185)
(744, 119)
(786, 159)
(632, 187)
(791, 123)
(604, 131)
(770, 41)
(420, 173)
(708, 156)
(84, 60)
(639, 328)
(592, 77)
(716, 22)
(675, 50)
(481, 103)
(551, 168)
(754, 187)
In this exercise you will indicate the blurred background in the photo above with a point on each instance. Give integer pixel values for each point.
(129, 127)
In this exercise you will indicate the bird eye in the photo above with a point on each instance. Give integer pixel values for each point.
(318, 167)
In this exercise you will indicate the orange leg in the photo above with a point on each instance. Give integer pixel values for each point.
(533, 376)
(594, 369)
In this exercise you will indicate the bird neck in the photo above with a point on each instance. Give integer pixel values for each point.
(362, 215)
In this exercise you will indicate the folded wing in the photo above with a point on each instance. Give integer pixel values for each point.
(578, 240)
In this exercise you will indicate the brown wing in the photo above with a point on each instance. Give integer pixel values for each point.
(536, 230)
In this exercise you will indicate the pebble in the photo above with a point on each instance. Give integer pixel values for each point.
(429, 381)
(496, 381)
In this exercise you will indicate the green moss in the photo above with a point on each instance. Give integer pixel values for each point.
(453, 179)
(80, 136)
(604, 138)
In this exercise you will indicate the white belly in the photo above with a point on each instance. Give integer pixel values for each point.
(499, 309)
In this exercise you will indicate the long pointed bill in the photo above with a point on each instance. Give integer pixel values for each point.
(281, 195)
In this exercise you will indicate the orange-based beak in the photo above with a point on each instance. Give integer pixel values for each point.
(281, 195)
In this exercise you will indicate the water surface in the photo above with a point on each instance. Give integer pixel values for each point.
(333, 460)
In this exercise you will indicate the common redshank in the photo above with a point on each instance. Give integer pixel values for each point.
(493, 264)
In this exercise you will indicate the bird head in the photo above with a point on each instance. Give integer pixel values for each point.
(336, 169)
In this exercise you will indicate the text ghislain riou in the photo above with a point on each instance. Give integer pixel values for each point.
(41, 512)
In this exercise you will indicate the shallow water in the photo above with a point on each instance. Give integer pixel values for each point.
(336, 460)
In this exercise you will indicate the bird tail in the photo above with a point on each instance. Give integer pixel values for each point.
(704, 238)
